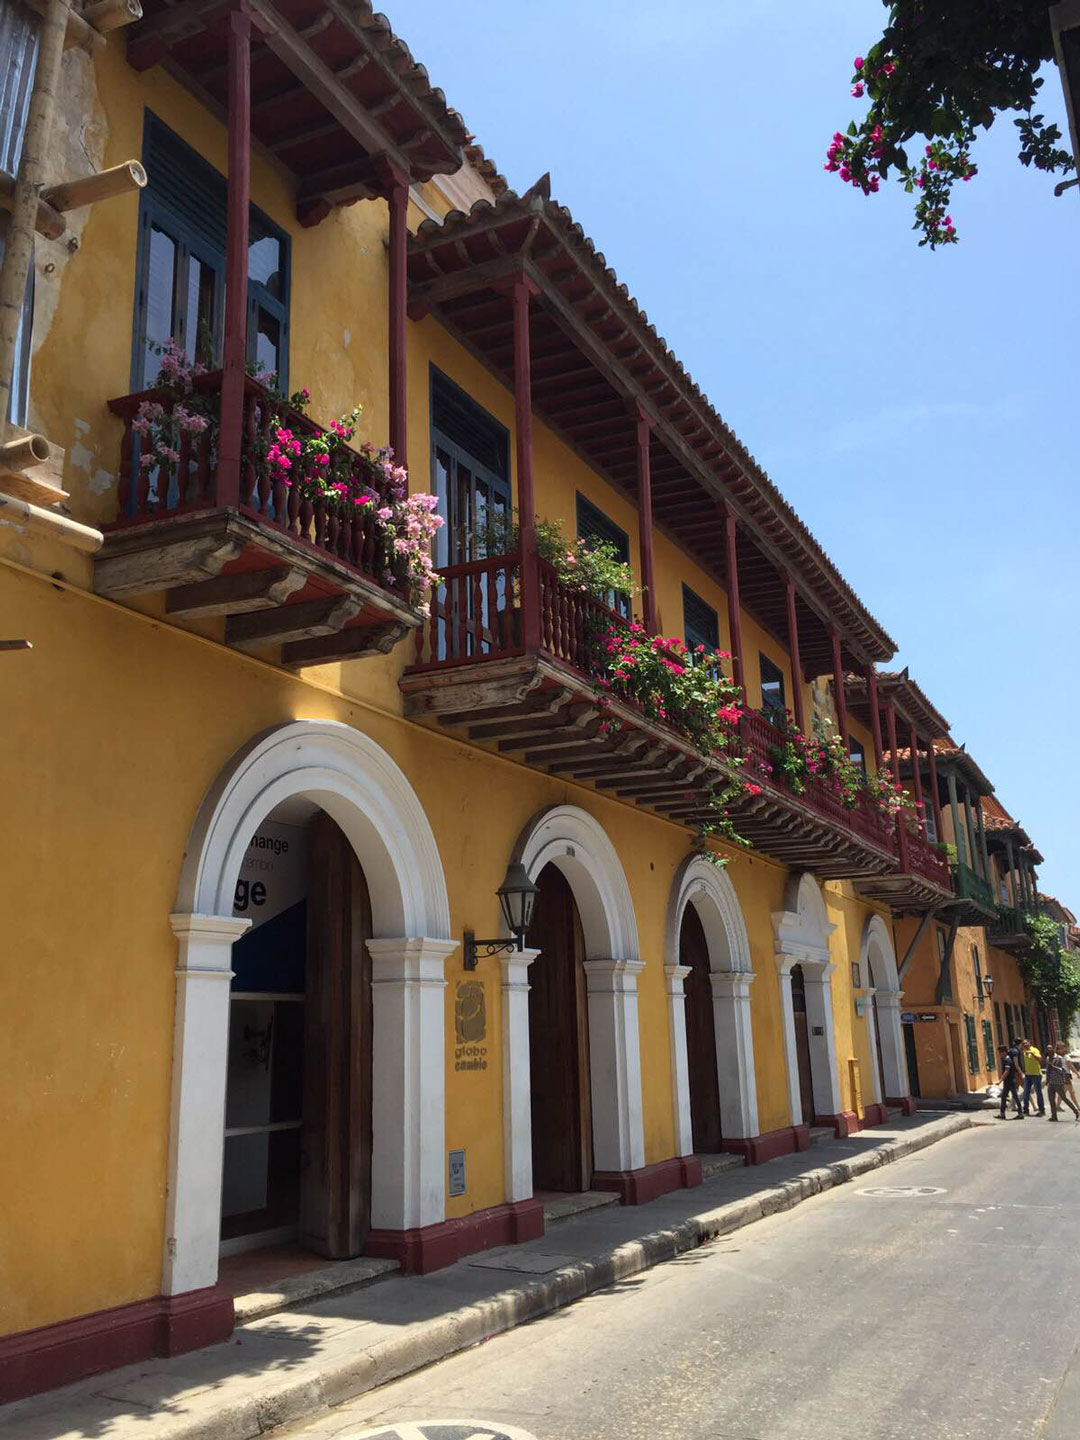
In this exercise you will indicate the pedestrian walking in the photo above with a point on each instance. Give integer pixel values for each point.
(1057, 1084)
(1012, 1067)
(1032, 1076)
(1071, 1069)
(1003, 1050)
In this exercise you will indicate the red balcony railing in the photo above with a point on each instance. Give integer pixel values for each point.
(927, 861)
(352, 535)
(760, 736)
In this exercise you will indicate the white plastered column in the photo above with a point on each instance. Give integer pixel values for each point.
(735, 1053)
(517, 1085)
(802, 931)
(615, 1064)
(197, 1129)
(872, 1038)
(893, 1058)
(675, 976)
(408, 1116)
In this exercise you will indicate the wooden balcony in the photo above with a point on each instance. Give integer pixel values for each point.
(922, 881)
(1008, 931)
(474, 673)
(974, 897)
(292, 577)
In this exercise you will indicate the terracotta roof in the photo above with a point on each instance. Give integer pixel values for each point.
(459, 268)
(948, 751)
(474, 153)
(999, 823)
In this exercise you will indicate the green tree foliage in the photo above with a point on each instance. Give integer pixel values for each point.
(1051, 971)
(942, 71)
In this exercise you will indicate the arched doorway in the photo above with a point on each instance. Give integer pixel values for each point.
(709, 977)
(701, 1064)
(887, 1040)
(805, 969)
(560, 1110)
(297, 1152)
(572, 843)
(330, 768)
(802, 1043)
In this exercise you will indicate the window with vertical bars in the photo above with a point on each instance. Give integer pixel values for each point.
(972, 1045)
(700, 623)
(19, 30)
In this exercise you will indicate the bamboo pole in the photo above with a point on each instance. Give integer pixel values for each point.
(19, 249)
(48, 522)
(101, 185)
(78, 35)
(20, 454)
(108, 15)
(49, 222)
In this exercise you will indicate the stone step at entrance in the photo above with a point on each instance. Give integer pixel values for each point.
(558, 1206)
(820, 1133)
(264, 1282)
(716, 1164)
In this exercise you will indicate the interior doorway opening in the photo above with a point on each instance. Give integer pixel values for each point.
(298, 1134)
(705, 1119)
(561, 1113)
(802, 1042)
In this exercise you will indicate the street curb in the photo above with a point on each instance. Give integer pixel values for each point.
(312, 1389)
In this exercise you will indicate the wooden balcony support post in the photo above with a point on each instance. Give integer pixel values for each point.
(916, 777)
(987, 872)
(645, 516)
(935, 794)
(796, 656)
(521, 292)
(838, 687)
(901, 828)
(734, 612)
(398, 202)
(875, 714)
(969, 831)
(1012, 873)
(958, 829)
(234, 350)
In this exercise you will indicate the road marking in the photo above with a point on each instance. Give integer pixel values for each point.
(917, 1192)
(438, 1430)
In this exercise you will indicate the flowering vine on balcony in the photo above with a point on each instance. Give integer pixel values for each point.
(310, 471)
(800, 759)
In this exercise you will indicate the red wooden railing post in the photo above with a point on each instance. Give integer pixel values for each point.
(916, 776)
(234, 353)
(875, 715)
(398, 202)
(734, 611)
(521, 292)
(644, 477)
(796, 657)
(838, 687)
(901, 828)
(935, 797)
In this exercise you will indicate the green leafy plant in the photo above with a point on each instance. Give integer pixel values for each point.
(942, 71)
(592, 567)
(950, 852)
(1052, 972)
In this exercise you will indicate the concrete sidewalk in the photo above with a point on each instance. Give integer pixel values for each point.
(291, 1365)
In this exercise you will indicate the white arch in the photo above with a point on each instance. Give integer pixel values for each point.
(710, 891)
(365, 792)
(577, 844)
(878, 964)
(359, 786)
(802, 931)
(572, 840)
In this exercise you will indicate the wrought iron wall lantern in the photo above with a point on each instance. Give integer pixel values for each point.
(517, 896)
(988, 985)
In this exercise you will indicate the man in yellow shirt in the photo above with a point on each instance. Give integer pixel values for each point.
(1032, 1076)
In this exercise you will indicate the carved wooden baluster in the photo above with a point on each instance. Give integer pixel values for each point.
(491, 597)
(183, 479)
(333, 526)
(478, 613)
(546, 617)
(307, 515)
(204, 494)
(321, 517)
(461, 609)
(248, 479)
(344, 545)
(263, 481)
(128, 481)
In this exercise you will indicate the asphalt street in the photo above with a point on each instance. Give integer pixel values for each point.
(949, 1311)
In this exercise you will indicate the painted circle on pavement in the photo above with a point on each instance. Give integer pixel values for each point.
(439, 1430)
(902, 1191)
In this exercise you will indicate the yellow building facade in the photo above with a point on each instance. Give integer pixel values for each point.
(236, 1003)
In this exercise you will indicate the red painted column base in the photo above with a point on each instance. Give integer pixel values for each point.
(432, 1247)
(907, 1103)
(638, 1187)
(70, 1350)
(757, 1149)
(845, 1123)
(875, 1114)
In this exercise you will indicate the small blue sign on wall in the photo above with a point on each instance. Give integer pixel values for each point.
(457, 1172)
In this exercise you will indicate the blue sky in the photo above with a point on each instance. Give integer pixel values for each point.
(913, 407)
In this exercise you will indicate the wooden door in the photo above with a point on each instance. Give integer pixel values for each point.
(558, 1041)
(877, 1046)
(911, 1051)
(802, 1043)
(960, 1083)
(700, 1036)
(335, 1186)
